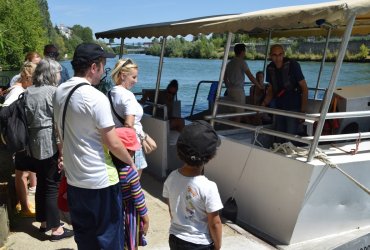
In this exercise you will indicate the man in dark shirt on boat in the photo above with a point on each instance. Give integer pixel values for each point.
(287, 89)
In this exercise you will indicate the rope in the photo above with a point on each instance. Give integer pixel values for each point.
(256, 133)
(352, 151)
(289, 149)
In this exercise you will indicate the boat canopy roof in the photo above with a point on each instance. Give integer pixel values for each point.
(292, 21)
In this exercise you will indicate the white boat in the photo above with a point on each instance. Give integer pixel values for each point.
(296, 201)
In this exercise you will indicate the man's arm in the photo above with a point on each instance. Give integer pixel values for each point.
(268, 97)
(215, 228)
(111, 140)
(304, 97)
(253, 79)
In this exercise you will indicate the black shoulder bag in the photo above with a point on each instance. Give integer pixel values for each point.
(114, 111)
(66, 104)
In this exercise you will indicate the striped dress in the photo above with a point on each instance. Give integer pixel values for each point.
(134, 207)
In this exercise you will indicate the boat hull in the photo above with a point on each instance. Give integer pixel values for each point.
(289, 200)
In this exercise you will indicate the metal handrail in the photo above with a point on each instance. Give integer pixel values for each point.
(161, 106)
(196, 93)
(303, 139)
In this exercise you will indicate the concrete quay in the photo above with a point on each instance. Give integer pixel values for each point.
(25, 235)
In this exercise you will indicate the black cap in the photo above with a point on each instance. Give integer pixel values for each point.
(198, 140)
(90, 51)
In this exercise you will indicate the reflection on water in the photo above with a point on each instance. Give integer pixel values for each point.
(190, 71)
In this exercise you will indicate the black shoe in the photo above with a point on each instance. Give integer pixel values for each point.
(45, 229)
(66, 234)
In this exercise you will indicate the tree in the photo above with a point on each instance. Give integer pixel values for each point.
(25, 31)
(85, 33)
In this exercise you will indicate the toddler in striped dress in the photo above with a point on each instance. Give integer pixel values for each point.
(136, 217)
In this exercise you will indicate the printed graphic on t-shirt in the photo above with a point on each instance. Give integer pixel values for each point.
(190, 209)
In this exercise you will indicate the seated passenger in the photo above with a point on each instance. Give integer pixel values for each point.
(166, 97)
(257, 94)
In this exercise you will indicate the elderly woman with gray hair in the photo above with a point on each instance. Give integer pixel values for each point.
(44, 146)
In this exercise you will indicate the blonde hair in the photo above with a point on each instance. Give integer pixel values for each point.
(27, 71)
(123, 66)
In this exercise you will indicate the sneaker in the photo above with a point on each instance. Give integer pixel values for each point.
(66, 234)
(27, 214)
(32, 190)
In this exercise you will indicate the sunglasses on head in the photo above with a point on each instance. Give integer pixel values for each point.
(127, 62)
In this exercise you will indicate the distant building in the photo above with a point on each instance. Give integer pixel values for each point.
(65, 31)
(147, 44)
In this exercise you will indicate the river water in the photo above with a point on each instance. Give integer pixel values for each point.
(189, 72)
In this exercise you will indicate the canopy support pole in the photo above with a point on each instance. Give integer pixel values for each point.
(323, 61)
(222, 73)
(121, 47)
(266, 53)
(158, 83)
(331, 87)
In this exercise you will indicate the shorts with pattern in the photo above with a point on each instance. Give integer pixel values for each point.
(139, 159)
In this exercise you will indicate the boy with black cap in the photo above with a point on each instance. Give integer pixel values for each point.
(94, 194)
(193, 200)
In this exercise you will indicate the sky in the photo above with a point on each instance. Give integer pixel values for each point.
(102, 15)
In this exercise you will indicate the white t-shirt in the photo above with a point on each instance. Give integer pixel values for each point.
(86, 160)
(190, 199)
(235, 73)
(13, 95)
(125, 103)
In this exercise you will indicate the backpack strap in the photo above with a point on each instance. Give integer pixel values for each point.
(66, 104)
(114, 111)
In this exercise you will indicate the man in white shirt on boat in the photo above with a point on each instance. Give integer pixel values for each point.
(234, 78)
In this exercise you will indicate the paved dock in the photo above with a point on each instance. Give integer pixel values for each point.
(25, 235)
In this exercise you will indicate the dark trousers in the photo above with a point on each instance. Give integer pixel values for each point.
(46, 197)
(179, 244)
(96, 216)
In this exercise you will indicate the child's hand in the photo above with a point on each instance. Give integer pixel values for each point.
(145, 219)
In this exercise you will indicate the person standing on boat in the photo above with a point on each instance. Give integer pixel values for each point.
(234, 78)
(287, 87)
(193, 200)
(126, 110)
(94, 194)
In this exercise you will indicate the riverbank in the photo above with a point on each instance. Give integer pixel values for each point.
(24, 233)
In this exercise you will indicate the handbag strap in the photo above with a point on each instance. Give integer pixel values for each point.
(114, 111)
(66, 104)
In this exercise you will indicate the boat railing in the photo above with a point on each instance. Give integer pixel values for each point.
(311, 117)
(197, 91)
(159, 106)
(312, 92)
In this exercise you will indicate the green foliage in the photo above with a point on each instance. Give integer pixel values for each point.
(364, 51)
(84, 33)
(22, 30)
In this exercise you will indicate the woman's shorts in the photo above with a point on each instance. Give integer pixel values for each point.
(139, 159)
(24, 162)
